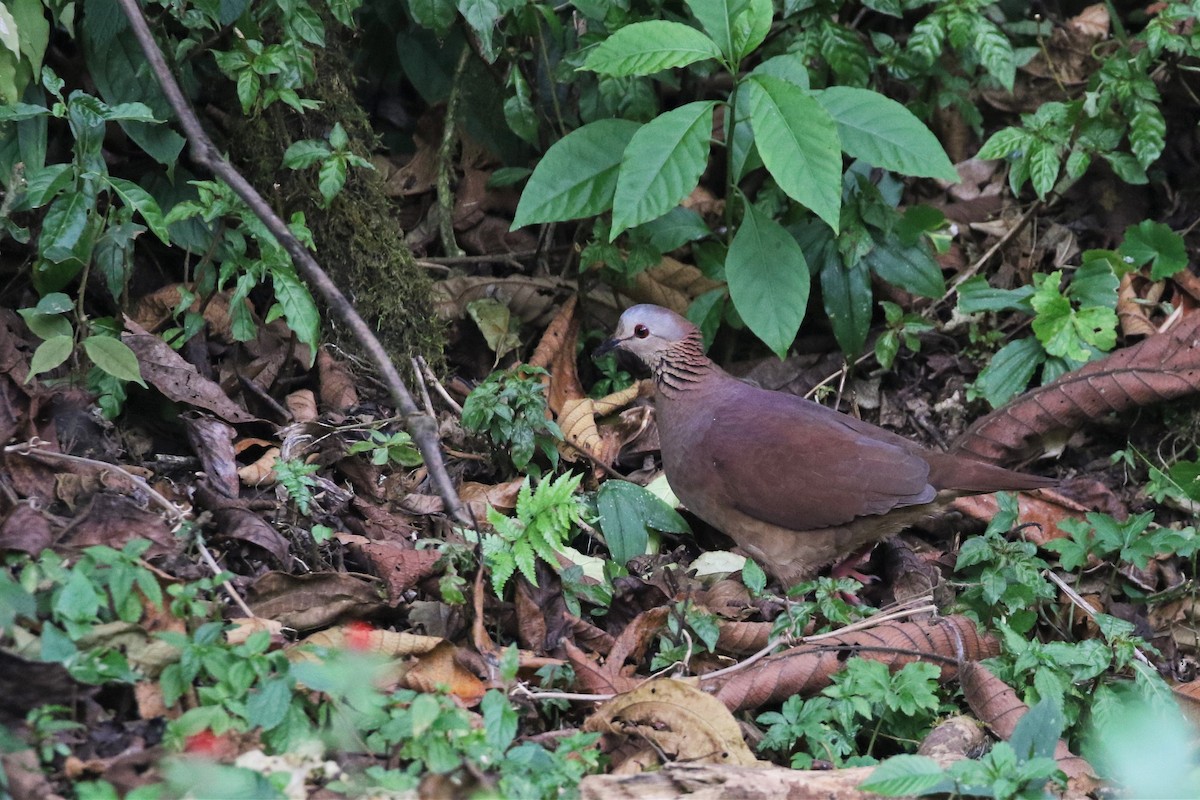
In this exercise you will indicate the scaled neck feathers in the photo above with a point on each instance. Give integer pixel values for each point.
(682, 365)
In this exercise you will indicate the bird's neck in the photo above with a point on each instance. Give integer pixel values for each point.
(683, 367)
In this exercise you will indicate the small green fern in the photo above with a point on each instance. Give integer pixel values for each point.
(542, 524)
(295, 477)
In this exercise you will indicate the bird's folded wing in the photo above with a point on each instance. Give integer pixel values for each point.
(790, 464)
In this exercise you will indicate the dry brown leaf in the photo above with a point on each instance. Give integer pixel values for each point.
(156, 309)
(1092, 22)
(338, 391)
(302, 405)
(26, 529)
(178, 380)
(242, 628)
(588, 635)
(114, 519)
(236, 521)
(680, 721)
(1043, 510)
(212, 441)
(1159, 368)
(806, 669)
(577, 421)
(399, 565)
(262, 471)
(392, 644)
(672, 284)
(440, 668)
(1135, 321)
(556, 354)
(530, 298)
(316, 600)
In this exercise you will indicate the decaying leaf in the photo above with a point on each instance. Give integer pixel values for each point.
(441, 667)
(680, 721)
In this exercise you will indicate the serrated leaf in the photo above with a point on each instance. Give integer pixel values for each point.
(1044, 165)
(1147, 132)
(1009, 371)
(662, 165)
(1154, 243)
(995, 51)
(114, 357)
(436, 14)
(578, 174)
(1004, 143)
(798, 142)
(768, 280)
(50, 353)
(299, 309)
(644, 48)
(885, 134)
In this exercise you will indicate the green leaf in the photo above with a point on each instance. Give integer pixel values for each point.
(661, 165)
(499, 720)
(331, 178)
(1036, 734)
(268, 707)
(906, 776)
(846, 292)
(577, 176)
(55, 303)
(298, 307)
(436, 14)
(911, 268)
(304, 153)
(518, 108)
(716, 16)
(975, 295)
(1044, 164)
(64, 226)
(1156, 244)
(885, 134)
(482, 16)
(768, 280)
(627, 514)
(114, 357)
(753, 577)
(798, 143)
(1003, 143)
(1009, 371)
(46, 326)
(995, 51)
(144, 203)
(644, 48)
(50, 354)
(788, 67)
(751, 26)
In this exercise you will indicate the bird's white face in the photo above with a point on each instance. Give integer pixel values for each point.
(648, 332)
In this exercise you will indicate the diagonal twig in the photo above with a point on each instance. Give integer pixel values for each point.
(422, 428)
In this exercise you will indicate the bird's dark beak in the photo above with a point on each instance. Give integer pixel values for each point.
(606, 347)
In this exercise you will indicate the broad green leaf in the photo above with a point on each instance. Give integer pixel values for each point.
(911, 268)
(907, 776)
(846, 293)
(975, 295)
(114, 357)
(995, 51)
(644, 48)
(499, 720)
(55, 303)
(578, 174)
(268, 707)
(50, 354)
(768, 280)
(885, 134)
(46, 326)
(1147, 132)
(304, 153)
(298, 307)
(716, 16)
(1009, 371)
(674, 229)
(662, 165)
(64, 226)
(1036, 734)
(789, 67)
(1154, 243)
(15, 112)
(1044, 164)
(798, 143)
(627, 514)
(482, 16)
(751, 26)
(43, 184)
(144, 203)
(331, 177)
(1095, 284)
(1003, 143)
(499, 328)
(436, 14)
(518, 108)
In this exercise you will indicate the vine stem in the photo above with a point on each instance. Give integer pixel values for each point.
(422, 427)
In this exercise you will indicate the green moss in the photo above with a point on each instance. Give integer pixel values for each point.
(359, 241)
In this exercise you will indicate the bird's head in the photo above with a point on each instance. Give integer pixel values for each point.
(649, 333)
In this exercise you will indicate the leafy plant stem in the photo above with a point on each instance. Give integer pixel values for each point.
(730, 183)
(1118, 26)
(445, 155)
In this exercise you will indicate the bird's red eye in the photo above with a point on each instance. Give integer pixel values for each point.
(641, 331)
